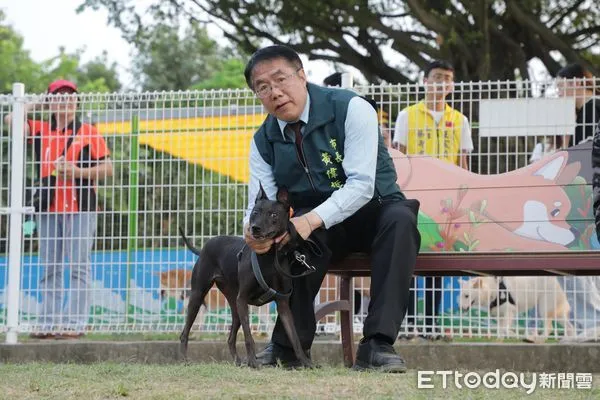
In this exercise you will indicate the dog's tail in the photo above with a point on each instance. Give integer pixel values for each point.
(188, 243)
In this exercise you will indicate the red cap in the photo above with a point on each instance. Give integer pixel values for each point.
(61, 83)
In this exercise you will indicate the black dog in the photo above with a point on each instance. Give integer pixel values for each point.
(245, 277)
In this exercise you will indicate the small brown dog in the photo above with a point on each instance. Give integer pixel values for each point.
(175, 283)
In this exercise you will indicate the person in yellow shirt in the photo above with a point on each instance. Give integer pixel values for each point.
(432, 127)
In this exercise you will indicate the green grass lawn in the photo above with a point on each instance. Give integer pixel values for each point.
(208, 381)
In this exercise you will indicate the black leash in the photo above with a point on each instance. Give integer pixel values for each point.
(270, 293)
(301, 258)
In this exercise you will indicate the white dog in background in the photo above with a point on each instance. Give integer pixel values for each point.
(505, 298)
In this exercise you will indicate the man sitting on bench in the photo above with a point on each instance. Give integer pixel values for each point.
(324, 145)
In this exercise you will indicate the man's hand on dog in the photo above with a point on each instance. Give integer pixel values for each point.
(258, 246)
(304, 224)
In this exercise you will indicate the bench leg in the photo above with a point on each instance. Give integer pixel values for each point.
(346, 323)
(323, 309)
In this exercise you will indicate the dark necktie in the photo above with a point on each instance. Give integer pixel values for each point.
(296, 128)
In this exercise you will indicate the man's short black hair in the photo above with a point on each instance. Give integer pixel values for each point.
(271, 53)
(441, 64)
(573, 71)
(334, 79)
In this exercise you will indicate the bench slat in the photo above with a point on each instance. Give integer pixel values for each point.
(484, 263)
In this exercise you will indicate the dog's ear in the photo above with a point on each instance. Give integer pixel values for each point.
(477, 283)
(283, 197)
(261, 193)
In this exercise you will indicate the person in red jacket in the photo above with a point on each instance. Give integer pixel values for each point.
(77, 156)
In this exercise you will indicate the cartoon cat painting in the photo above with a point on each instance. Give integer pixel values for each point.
(521, 210)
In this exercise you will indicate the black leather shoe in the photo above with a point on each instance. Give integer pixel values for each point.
(377, 355)
(275, 353)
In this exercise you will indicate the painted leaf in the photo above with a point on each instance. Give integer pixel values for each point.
(429, 231)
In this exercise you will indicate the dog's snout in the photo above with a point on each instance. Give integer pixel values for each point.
(256, 230)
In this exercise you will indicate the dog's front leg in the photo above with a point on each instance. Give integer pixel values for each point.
(242, 308)
(502, 320)
(283, 309)
(510, 319)
(569, 328)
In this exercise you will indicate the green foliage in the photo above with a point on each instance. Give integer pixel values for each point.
(96, 76)
(229, 76)
(167, 60)
(16, 65)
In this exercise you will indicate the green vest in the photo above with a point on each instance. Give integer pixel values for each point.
(323, 148)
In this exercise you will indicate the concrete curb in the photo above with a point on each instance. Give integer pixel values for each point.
(581, 357)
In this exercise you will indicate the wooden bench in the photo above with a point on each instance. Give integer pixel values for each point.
(453, 264)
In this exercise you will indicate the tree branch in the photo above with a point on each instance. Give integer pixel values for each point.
(401, 15)
(566, 13)
(587, 47)
(433, 23)
(536, 26)
(403, 43)
(586, 31)
(483, 18)
(190, 16)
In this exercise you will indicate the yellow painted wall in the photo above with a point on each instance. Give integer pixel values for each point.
(218, 143)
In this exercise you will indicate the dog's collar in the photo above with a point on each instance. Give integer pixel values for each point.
(503, 296)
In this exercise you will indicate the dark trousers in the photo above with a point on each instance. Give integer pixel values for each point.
(432, 298)
(386, 230)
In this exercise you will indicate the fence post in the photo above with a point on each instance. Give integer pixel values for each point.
(132, 216)
(347, 81)
(16, 211)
